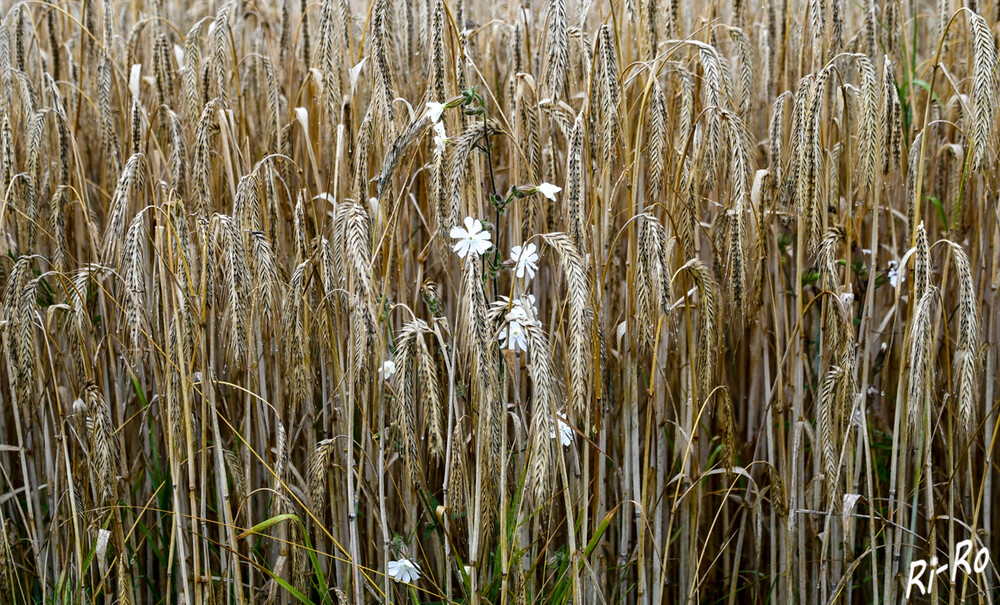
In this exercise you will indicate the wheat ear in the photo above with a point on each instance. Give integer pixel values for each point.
(556, 49)
(968, 359)
(543, 405)
(921, 371)
(403, 410)
(983, 89)
(580, 322)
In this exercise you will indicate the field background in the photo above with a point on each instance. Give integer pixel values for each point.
(759, 364)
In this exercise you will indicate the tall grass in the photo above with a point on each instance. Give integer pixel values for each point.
(255, 351)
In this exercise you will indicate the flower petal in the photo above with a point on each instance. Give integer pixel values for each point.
(549, 190)
(480, 246)
(434, 110)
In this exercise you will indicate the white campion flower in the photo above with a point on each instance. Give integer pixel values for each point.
(527, 301)
(517, 312)
(404, 570)
(893, 273)
(525, 260)
(548, 190)
(473, 238)
(512, 335)
(523, 306)
(387, 369)
(439, 137)
(434, 111)
(565, 431)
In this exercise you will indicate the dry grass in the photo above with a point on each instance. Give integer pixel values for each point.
(753, 361)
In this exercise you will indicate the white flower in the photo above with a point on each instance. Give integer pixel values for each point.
(471, 238)
(565, 431)
(525, 259)
(517, 312)
(387, 370)
(893, 273)
(522, 307)
(434, 111)
(528, 302)
(512, 335)
(404, 570)
(439, 137)
(548, 190)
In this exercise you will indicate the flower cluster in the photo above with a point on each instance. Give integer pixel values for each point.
(473, 239)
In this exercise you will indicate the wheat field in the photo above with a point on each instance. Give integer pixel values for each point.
(462, 301)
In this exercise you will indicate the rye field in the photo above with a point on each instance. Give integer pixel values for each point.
(499, 302)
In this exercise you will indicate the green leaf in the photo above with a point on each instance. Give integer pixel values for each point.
(940, 208)
(599, 532)
(291, 589)
(267, 523)
(927, 87)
